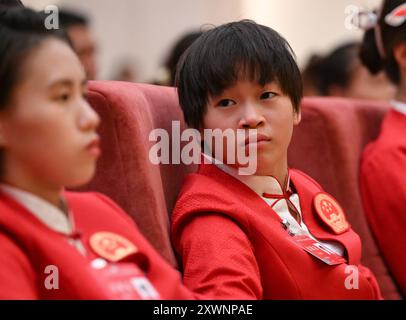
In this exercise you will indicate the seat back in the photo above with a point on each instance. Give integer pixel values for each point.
(147, 192)
(328, 145)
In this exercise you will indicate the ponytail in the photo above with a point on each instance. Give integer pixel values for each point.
(390, 35)
(369, 52)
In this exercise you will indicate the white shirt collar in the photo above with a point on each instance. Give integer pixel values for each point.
(399, 106)
(47, 213)
(259, 184)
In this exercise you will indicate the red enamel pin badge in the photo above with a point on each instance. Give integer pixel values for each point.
(330, 213)
(111, 246)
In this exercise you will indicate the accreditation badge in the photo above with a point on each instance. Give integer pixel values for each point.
(123, 280)
(318, 250)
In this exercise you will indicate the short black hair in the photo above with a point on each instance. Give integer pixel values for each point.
(391, 36)
(21, 30)
(69, 18)
(10, 4)
(336, 68)
(177, 51)
(222, 55)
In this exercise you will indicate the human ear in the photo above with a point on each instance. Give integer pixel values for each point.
(297, 117)
(399, 52)
(3, 129)
(2, 133)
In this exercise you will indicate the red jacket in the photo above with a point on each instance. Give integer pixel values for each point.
(383, 188)
(27, 247)
(232, 244)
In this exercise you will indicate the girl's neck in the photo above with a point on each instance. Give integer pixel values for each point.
(43, 191)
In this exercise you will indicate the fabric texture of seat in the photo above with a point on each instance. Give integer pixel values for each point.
(147, 192)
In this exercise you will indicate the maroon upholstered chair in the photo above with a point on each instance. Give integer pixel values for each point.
(328, 145)
(147, 192)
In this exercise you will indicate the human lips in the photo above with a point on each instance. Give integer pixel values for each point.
(256, 139)
(93, 147)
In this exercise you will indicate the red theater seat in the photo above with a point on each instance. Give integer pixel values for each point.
(327, 145)
(147, 192)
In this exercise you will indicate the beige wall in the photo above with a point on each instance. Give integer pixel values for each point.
(144, 30)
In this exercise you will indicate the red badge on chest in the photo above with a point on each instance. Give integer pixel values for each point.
(330, 213)
(111, 246)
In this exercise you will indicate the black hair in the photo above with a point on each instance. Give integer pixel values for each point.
(336, 68)
(178, 49)
(222, 55)
(391, 36)
(10, 4)
(21, 30)
(69, 18)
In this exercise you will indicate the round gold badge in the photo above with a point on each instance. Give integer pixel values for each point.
(111, 246)
(330, 212)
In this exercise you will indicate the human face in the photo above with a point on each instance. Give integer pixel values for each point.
(364, 85)
(85, 48)
(248, 105)
(48, 130)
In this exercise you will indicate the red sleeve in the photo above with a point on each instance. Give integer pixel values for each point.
(17, 278)
(372, 281)
(218, 260)
(383, 186)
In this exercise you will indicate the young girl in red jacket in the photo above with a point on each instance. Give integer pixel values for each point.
(383, 176)
(274, 234)
(56, 244)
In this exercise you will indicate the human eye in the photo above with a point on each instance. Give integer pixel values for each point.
(267, 95)
(225, 103)
(63, 97)
(61, 94)
(85, 94)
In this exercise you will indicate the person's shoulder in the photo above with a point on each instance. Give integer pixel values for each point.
(381, 153)
(390, 139)
(198, 184)
(209, 190)
(88, 197)
(80, 195)
(299, 175)
(96, 204)
(12, 252)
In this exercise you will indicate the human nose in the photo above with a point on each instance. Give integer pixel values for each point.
(89, 120)
(251, 117)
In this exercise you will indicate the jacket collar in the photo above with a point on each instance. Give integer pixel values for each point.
(259, 184)
(307, 190)
(399, 106)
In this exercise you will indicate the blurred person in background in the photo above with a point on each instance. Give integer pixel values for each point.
(125, 70)
(383, 176)
(341, 73)
(10, 3)
(78, 28)
(166, 75)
